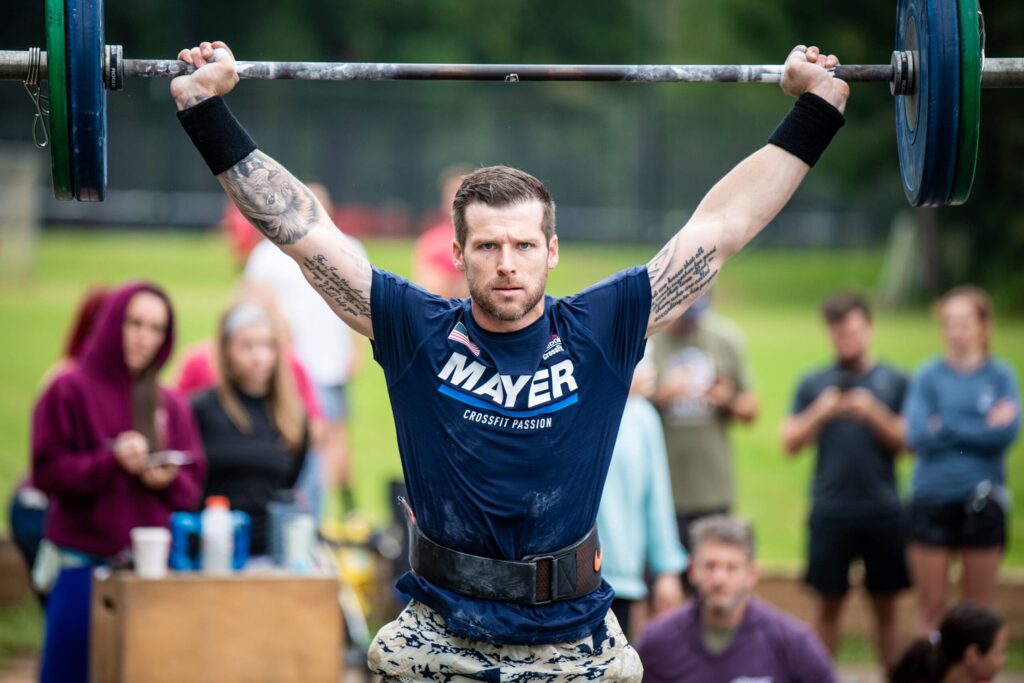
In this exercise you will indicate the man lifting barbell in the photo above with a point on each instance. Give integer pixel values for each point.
(507, 403)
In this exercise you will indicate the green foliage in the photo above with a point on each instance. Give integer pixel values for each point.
(660, 147)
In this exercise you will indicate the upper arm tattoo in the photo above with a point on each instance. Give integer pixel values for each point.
(273, 200)
(674, 279)
(341, 291)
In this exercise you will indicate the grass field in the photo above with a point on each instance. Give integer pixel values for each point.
(771, 295)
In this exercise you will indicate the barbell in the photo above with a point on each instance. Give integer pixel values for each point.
(935, 74)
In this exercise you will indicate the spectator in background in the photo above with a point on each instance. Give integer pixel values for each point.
(433, 265)
(727, 634)
(197, 370)
(703, 386)
(850, 410)
(636, 521)
(969, 646)
(329, 350)
(963, 414)
(95, 430)
(254, 429)
(28, 506)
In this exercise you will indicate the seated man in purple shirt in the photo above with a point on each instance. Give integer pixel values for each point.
(727, 634)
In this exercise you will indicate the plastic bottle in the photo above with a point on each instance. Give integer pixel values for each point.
(218, 533)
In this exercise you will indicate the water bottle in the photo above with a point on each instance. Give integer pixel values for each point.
(185, 541)
(242, 525)
(218, 533)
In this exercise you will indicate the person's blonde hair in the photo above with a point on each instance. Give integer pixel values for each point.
(283, 401)
(979, 300)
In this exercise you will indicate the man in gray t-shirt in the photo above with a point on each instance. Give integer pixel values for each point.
(850, 409)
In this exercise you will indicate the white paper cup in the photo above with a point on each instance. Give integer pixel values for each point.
(150, 548)
(299, 540)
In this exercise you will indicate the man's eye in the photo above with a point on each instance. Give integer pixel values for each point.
(525, 245)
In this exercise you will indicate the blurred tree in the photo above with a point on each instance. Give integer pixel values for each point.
(661, 145)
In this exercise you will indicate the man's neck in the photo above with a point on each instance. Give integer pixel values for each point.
(724, 621)
(859, 365)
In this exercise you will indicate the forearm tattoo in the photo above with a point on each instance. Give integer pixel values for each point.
(671, 286)
(273, 200)
(337, 289)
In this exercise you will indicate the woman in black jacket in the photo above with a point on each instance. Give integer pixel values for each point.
(254, 428)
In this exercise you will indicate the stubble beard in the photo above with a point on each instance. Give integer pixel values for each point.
(480, 295)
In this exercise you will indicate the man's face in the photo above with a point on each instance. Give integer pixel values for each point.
(724, 577)
(851, 337)
(506, 260)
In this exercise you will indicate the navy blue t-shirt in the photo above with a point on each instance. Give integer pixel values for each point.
(506, 438)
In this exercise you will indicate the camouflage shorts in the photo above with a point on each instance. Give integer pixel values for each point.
(419, 647)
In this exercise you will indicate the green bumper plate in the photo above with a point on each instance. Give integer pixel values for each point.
(970, 101)
(57, 79)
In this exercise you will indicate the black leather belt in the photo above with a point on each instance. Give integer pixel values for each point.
(565, 574)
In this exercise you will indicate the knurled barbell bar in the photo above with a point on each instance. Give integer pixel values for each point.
(935, 73)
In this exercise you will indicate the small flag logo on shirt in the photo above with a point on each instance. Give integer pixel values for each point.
(461, 335)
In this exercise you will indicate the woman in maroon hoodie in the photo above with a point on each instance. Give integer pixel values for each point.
(93, 431)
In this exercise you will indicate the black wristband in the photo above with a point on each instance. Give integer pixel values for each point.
(808, 129)
(217, 134)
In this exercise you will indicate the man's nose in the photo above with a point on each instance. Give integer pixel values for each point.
(506, 263)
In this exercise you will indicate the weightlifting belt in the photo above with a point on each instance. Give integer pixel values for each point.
(565, 574)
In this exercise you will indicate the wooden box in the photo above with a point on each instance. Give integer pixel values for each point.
(241, 628)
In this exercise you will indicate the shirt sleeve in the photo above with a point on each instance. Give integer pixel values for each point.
(402, 315)
(804, 396)
(664, 551)
(616, 311)
(920, 410)
(900, 394)
(60, 466)
(808, 660)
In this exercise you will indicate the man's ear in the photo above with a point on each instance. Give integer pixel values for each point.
(553, 252)
(458, 258)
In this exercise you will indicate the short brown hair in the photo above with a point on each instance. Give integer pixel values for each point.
(842, 304)
(727, 529)
(500, 186)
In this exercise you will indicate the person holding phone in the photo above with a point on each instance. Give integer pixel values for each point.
(93, 430)
(850, 410)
